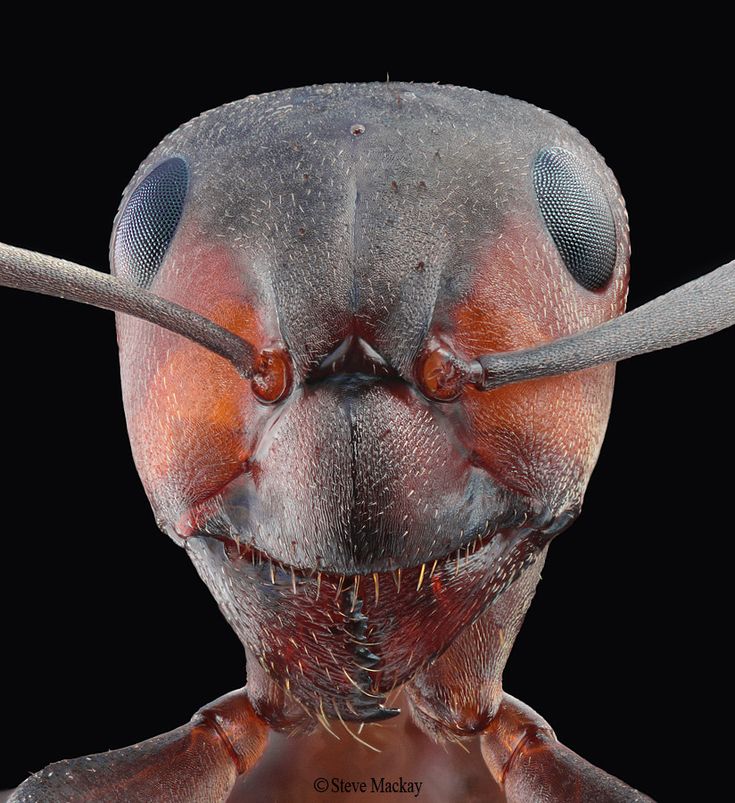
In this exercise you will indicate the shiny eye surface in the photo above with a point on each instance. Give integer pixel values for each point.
(149, 222)
(577, 215)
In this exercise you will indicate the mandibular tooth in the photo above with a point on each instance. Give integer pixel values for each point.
(339, 586)
(397, 580)
(273, 572)
(421, 577)
(318, 583)
(293, 580)
(366, 657)
(433, 569)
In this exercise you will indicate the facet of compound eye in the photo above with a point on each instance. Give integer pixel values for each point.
(149, 222)
(577, 215)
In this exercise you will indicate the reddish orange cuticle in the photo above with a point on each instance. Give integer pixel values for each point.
(439, 373)
(272, 376)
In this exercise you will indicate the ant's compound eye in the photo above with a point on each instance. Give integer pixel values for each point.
(577, 215)
(149, 222)
(272, 376)
(440, 374)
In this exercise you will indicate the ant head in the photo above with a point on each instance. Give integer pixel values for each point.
(419, 294)
(418, 224)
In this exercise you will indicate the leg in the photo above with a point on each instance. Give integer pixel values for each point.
(196, 763)
(528, 763)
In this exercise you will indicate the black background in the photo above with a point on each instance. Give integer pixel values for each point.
(109, 637)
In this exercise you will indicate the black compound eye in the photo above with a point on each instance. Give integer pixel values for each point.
(577, 215)
(149, 222)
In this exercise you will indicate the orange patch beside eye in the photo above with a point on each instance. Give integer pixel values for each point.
(539, 437)
(189, 411)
